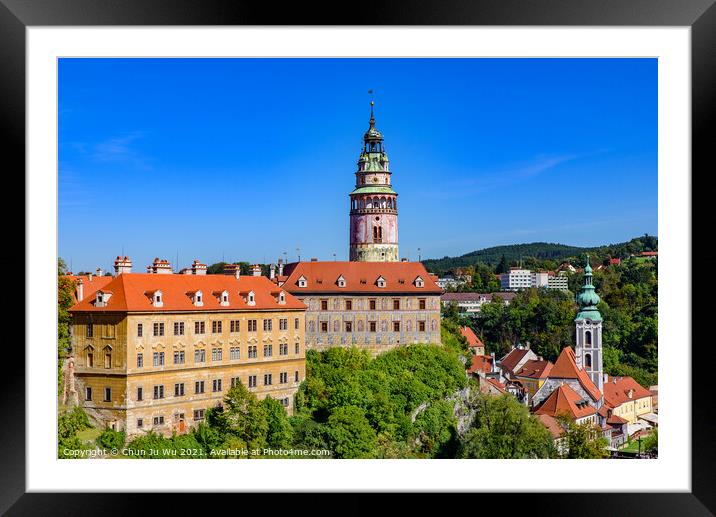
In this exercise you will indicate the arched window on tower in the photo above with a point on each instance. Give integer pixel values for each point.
(588, 337)
(587, 360)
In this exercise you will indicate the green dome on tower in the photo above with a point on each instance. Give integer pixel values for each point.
(588, 299)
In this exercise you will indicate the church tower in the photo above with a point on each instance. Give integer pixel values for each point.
(374, 204)
(589, 331)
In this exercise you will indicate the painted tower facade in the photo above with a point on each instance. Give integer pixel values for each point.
(374, 204)
(588, 322)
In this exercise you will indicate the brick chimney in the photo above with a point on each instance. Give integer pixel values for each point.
(256, 270)
(272, 271)
(80, 290)
(280, 267)
(160, 267)
(233, 270)
(197, 268)
(122, 265)
(99, 271)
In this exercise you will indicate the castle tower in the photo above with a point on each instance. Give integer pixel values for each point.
(588, 349)
(374, 204)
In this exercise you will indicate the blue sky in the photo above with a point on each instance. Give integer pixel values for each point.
(244, 159)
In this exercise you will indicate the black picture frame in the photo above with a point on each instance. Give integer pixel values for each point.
(700, 15)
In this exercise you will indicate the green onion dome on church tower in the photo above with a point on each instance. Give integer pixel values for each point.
(588, 299)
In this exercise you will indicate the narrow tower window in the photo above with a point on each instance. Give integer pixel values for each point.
(588, 337)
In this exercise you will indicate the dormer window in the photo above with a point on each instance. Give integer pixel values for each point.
(419, 282)
(282, 298)
(302, 282)
(341, 282)
(380, 282)
(197, 298)
(156, 297)
(101, 298)
(251, 298)
(224, 298)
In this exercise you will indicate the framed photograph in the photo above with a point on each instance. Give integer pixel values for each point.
(511, 179)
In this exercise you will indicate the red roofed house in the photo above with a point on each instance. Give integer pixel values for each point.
(564, 401)
(474, 342)
(514, 360)
(627, 398)
(376, 306)
(154, 351)
(533, 374)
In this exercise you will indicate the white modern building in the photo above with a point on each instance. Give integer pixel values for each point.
(470, 303)
(517, 279)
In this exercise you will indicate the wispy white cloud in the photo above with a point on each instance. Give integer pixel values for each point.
(120, 149)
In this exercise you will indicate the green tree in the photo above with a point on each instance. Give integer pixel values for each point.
(350, 434)
(241, 416)
(111, 439)
(650, 444)
(503, 428)
(584, 441)
(280, 432)
(65, 292)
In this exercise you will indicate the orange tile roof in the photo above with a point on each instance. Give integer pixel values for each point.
(616, 394)
(552, 425)
(511, 360)
(497, 384)
(564, 400)
(565, 367)
(360, 277)
(472, 339)
(482, 363)
(535, 369)
(131, 292)
(89, 287)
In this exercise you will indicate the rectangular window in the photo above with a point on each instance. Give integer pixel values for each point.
(396, 326)
(372, 326)
(283, 349)
(90, 359)
(140, 422)
(108, 394)
(216, 327)
(179, 389)
(235, 353)
(268, 325)
(90, 330)
(88, 393)
(349, 305)
(216, 354)
(324, 326)
(199, 387)
(140, 329)
(159, 392)
(298, 348)
(421, 326)
(140, 360)
(216, 385)
(178, 328)
(284, 402)
(253, 351)
(252, 325)
(199, 327)
(268, 379)
(283, 377)
(199, 355)
(108, 360)
(158, 358)
(235, 325)
(295, 376)
(324, 305)
(140, 394)
(421, 304)
(179, 357)
(283, 324)
(396, 304)
(158, 420)
(235, 381)
(268, 350)
(158, 329)
(349, 326)
(371, 304)
(252, 381)
(198, 414)
(296, 323)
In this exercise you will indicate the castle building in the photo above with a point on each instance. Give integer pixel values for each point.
(374, 203)
(375, 306)
(154, 351)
